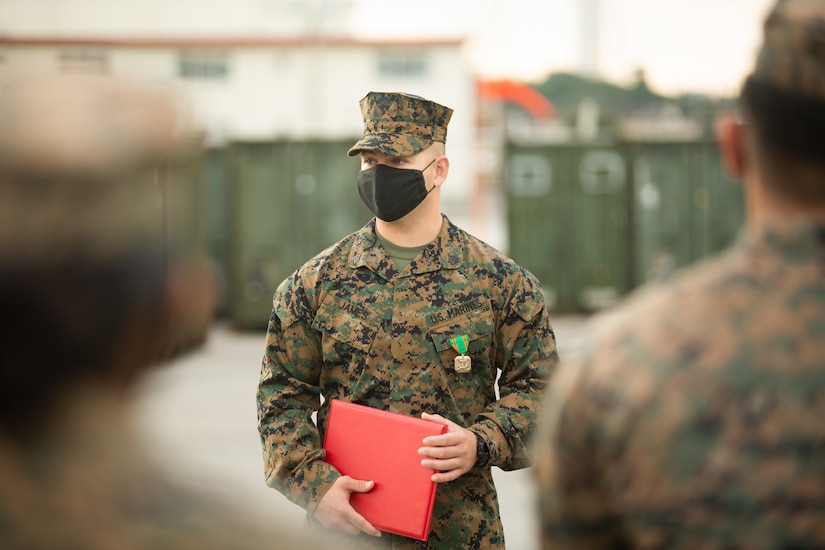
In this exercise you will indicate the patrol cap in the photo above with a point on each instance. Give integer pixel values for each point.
(79, 165)
(792, 55)
(401, 124)
(93, 173)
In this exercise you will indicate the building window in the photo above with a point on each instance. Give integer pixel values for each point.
(402, 63)
(83, 61)
(203, 65)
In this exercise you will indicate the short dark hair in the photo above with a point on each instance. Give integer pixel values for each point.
(790, 133)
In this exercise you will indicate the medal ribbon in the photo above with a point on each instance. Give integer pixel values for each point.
(460, 343)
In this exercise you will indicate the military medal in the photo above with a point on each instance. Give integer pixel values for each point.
(462, 362)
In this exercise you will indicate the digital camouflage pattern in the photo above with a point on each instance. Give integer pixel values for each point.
(792, 55)
(401, 124)
(693, 417)
(90, 484)
(65, 140)
(348, 325)
(85, 165)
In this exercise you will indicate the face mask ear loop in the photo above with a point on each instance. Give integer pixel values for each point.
(422, 174)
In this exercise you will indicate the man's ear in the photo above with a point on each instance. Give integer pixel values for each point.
(442, 168)
(730, 137)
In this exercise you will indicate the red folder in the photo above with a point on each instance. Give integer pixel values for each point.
(372, 444)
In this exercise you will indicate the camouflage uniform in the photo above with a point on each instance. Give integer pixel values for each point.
(349, 325)
(84, 269)
(90, 484)
(692, 418)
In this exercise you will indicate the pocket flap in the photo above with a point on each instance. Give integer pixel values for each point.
(476, 324)
(345, 322)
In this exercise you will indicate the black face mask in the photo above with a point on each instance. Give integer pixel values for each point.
(392, 193)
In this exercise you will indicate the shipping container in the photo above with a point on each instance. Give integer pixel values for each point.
(568, 213)
(687, 207)
(594, 220)
(286, 202)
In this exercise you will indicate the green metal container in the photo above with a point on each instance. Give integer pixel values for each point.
(287, 201)
(687, 207)
(593, 221)
(568, 217)
(182, 197)
(217, 190)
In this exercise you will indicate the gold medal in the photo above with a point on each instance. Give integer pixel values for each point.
(462, 362)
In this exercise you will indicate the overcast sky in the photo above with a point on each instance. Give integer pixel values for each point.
(683, 46)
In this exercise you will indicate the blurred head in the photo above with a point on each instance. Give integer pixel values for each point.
(783, 104)
(91, 277)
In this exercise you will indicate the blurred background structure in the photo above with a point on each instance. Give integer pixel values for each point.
(581, 145)
(593, 185)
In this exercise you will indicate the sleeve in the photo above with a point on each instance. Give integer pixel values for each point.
(575, 510)
(526, 355)
(288, 394)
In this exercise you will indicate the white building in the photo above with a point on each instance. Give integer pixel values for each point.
(253, 69)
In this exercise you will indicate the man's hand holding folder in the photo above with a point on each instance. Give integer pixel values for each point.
(451, 454)
(445, 454)
(334, 511)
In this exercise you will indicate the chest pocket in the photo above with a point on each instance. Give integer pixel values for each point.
(345, 323)
(477, 324)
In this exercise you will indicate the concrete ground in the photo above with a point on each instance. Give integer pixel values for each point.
(198, 417)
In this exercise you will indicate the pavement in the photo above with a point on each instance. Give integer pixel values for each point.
(198, 417)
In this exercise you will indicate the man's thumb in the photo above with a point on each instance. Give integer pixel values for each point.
(361, 486)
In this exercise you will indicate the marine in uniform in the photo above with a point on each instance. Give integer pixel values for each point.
(94, 292)
(693, 416)
(410, 327)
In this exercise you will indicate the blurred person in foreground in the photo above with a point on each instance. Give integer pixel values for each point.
(93, 292)
(413, 315)
(693, 418)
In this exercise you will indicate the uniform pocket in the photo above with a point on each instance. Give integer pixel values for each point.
(345, 323)
(474, 320)
(477, 325)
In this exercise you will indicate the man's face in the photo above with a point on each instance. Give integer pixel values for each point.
(418, 161)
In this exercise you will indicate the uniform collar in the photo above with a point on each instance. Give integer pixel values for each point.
(795, 240)
(446, 251)
(801, 234)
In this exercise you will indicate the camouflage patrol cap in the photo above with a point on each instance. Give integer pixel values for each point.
(79, 160)
(93, 174)
(792, 56)
(400, 124)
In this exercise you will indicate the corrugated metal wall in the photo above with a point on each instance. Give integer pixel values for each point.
(285, 202)
(593, 222)
(183, 201)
